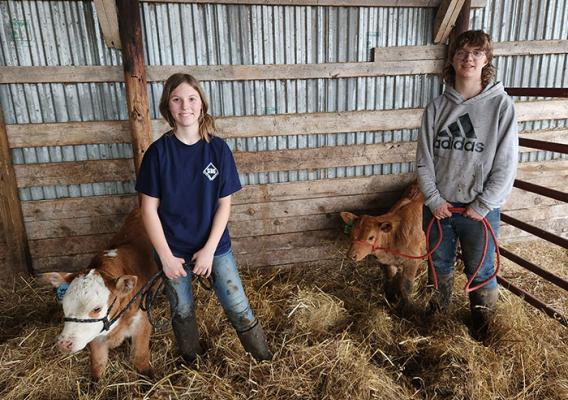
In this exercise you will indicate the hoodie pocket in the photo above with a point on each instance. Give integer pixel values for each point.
(457, 180)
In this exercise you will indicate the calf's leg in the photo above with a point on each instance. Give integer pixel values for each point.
(391, 277)
(98, 357)
(406, 288)
(140, 353)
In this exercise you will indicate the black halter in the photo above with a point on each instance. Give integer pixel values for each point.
(107, 323)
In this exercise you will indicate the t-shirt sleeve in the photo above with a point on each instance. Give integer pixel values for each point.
(148, 180)
(230, 182)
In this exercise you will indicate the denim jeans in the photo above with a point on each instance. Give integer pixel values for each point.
(470, 234)
(227, 285)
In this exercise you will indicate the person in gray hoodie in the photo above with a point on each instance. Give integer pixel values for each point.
(467, 158)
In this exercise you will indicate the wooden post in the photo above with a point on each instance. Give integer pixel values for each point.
(130, 29)
(19, 261)
(462, 23)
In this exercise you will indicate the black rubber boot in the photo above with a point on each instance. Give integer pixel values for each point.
(482, 304)
(254, 342)
(440, 301)
(187, 338)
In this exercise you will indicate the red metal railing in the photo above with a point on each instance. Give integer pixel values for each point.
(544, 191)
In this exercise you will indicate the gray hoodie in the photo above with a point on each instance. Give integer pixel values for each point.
(467, 149)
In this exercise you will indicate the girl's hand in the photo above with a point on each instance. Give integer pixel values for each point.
(443, 211)
(173, 266)
(470, 213)
(203, 260)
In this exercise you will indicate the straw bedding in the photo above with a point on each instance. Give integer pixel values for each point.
(333, 334)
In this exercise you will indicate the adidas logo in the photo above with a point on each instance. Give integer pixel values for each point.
(459, 135)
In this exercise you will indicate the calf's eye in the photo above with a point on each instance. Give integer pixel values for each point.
(371, 237)
(97, 310)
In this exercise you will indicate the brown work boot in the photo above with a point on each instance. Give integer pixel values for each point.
(254, 342)
(441, 299)
(187, 338)
(482, 303)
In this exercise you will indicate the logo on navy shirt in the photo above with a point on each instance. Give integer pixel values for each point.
(211, 171)
(459, 135)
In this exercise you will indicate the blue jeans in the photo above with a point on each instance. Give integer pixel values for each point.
(470, 234)
(227, 285)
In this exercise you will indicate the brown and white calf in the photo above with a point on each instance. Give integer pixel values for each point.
(389, 237)
(112, 278)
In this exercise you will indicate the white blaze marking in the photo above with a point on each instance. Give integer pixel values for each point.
(111, 253)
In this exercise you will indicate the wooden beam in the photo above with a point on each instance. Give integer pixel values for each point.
(420, 60)
(325, 3)
(438, 52)
(74, 173)
(318, 205)
(78, 207)
(159, 73)
(18, 260)
(292, 71)
(108, 21)
(446, 17)
(69, 133)
(325, 157)
(130, 28)
(69, 246)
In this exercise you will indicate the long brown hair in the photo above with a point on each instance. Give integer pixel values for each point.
(206, 121)
(476, 39)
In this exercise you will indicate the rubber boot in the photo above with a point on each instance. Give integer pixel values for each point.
(187, 337)
(482, 304)
(440, 301)
(254, 342)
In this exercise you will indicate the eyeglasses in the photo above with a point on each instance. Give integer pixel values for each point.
(476, 54)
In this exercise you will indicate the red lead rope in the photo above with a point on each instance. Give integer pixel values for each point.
(468, 289)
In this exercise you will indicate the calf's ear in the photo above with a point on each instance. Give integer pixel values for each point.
(348, 217)
(56, 279)
(126, 283)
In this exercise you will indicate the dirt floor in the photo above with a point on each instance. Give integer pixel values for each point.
(333, 334)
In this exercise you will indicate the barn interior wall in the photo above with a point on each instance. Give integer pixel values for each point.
(41, 33)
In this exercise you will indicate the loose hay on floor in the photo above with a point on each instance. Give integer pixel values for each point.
(334, 337)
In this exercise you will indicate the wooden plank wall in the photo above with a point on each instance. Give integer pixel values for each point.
(271, 224)
(3, 249)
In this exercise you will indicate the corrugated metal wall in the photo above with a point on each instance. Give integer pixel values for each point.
(67, 33)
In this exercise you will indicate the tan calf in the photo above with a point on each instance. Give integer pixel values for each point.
(390, 237)
(104, 289)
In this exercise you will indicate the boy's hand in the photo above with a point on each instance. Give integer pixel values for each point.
(443, 211)
(470, 213)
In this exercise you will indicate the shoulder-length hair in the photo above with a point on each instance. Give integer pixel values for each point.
(475, 39)
(206, 121)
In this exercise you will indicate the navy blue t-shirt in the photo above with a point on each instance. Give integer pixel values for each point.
(189, 180)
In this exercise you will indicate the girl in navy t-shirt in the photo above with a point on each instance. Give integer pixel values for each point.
(186, 181)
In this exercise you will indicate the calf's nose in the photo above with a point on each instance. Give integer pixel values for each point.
(64, 344)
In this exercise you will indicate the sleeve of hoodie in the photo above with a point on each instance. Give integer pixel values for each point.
(502, 175)
(425, 160)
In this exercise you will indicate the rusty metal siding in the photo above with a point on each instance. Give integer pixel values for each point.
(67, 33)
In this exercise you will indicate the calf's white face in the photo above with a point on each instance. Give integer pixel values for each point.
(86, 298)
